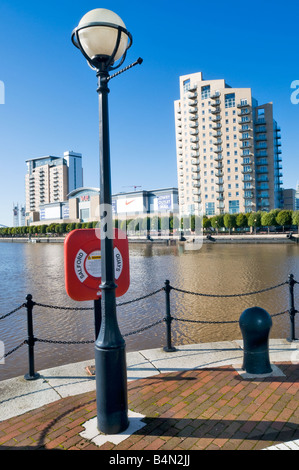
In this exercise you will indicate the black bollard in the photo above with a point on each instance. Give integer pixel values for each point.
(168, 318)
(255, 324)
(32, 375)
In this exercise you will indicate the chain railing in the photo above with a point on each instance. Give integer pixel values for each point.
(31, 339)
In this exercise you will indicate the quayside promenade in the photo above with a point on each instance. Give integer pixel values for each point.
(195, 398)
(280, 238)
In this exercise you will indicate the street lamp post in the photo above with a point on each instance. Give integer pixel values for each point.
(103, 39)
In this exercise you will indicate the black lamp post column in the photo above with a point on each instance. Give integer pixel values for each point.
(110, 356)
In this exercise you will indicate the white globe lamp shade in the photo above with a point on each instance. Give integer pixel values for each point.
(101, 35)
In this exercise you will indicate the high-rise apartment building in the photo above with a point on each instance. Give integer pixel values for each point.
(228, 149)
(49, 179)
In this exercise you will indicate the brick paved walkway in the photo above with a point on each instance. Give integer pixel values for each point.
(202, 409)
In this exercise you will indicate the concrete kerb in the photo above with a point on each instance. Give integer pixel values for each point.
(19, 396)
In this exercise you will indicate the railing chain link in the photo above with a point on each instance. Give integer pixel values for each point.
(229, 295)
(13, 311)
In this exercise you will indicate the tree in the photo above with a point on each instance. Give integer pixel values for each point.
(155, 223)
(51, 228)
(229, 221)
(175, 223)
(70, 227)
(206, 222)
(284, 218)
(146, 224)
(59, 228)
(165, 223)
(254, 219)
(43, 228)
(295, 219)
(242, 220)
(268, 219)
(217, 221)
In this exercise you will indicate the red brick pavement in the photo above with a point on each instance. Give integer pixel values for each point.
(203, 409)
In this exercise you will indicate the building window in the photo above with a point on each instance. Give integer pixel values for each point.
(205, 92)
(233, 207)
(230, 100)
(210, 208)
(186, 85)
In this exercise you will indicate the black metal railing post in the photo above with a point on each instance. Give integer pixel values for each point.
(30, 340)
(168, 318)
(292, 310)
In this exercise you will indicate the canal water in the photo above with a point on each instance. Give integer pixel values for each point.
(38, 269)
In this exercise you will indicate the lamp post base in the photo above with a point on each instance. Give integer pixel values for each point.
(111, 389)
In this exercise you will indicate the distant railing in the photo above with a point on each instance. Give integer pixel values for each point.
(168, 318)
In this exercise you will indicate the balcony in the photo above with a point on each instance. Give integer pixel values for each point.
(216, 119)
(194, 139)
(219, 158)
(242, 138)
(218, 141)
(246, 121)
(243, 105)
(262, 162)
(192, 102)
(194, 147)
(250, 162)
(193, 110)
(247, 146)
(219, 174)
(193, 125)
(195, 161)
(192, 96)
(216, 102)
(196, 176)
(195, 169)
(219, 166)
(260, 121)
(215, 95)
(217, 126)
(193, 117)
(193, 132)
(220, 189)
(218, 134)
(218, 150)
(249, 195)
(261, 130)
(196, 185)
(246, 170)
(249, 129)
(244, 112)
(262, 180)
(217, 110)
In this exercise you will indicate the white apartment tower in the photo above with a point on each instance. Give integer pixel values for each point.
(50, 179)
(228, 149)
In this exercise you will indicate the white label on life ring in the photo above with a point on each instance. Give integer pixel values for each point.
(118, 263)
(79, 265)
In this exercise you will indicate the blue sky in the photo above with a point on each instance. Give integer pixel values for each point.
(50, 93)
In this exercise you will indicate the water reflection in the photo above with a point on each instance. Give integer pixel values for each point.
(215, 269)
